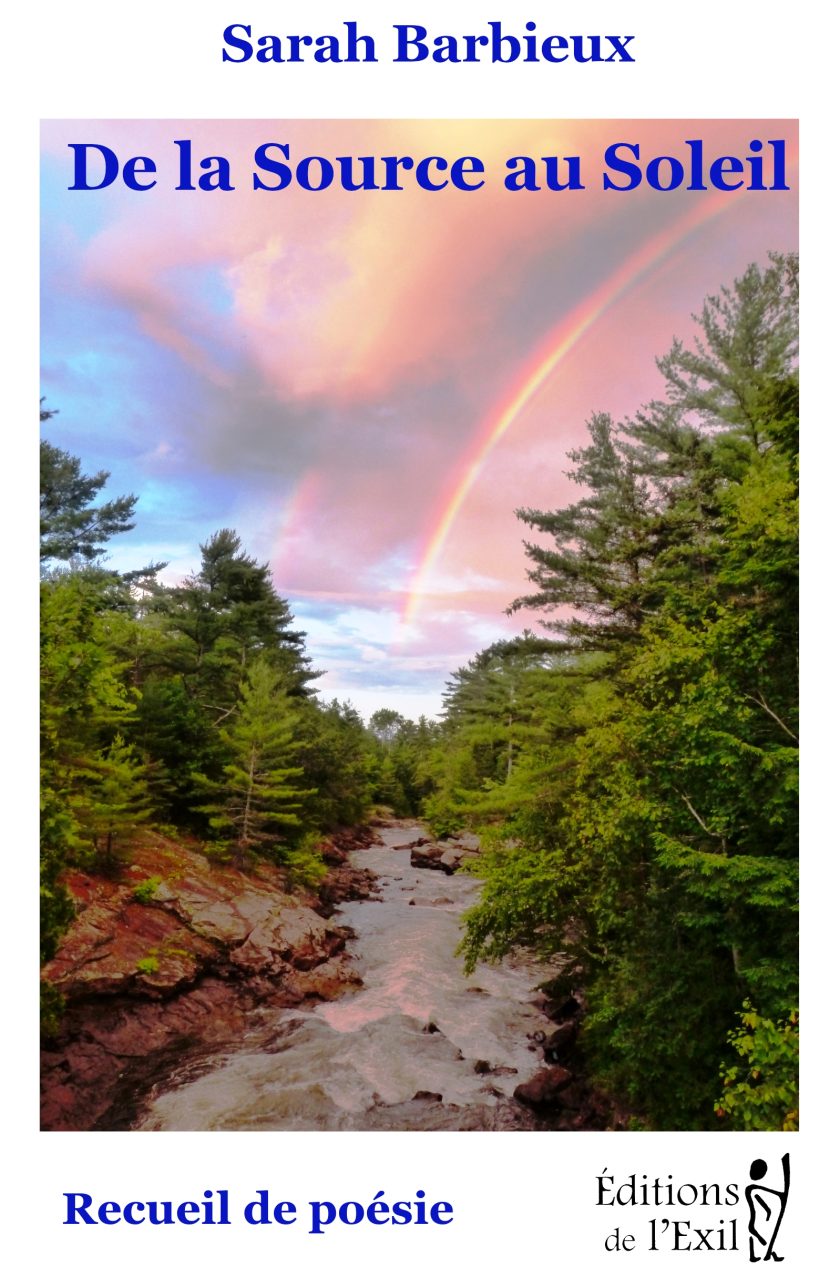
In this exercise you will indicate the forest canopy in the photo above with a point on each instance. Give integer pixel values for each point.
(634, 773)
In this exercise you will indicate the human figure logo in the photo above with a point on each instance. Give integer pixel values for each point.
(767, 1210)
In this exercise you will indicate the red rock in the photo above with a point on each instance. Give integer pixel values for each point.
(427, 858)
(544, 1088)
(146, 983)
(558, 1045)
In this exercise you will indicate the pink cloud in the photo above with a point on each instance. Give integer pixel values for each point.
(367, 340)
(343, 296)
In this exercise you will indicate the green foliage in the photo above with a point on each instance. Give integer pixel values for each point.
(442, 815)
(51, 1010)
(84, 696)
(258, 803)
(398, 755)
(525, 886)
(113, 798)
(148, 965)
(189, 704)
(71, 527)
(642, 773)
(386, 725)
(335, 753)
(223, 617)
(602, 546)
(761, 1093)
(58, 839)
(498, 722)
(218, 851)
(303, 863)
(146, 890)
(84, 704)
(173, 728)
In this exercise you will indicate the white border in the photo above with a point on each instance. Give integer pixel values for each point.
(519, 1199)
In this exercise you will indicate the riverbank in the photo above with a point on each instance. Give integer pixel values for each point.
(417, 1045)
(167, 958)
(203, 997)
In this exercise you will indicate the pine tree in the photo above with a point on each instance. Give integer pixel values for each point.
(258, 804)
(71, 526)
(223, 617)
(658, 841)
(400, 751)
(112, 799)
(596, 570)
(84, 704)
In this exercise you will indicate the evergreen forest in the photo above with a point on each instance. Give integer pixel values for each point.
(629, 762)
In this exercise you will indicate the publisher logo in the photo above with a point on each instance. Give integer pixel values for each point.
(669, 1214)
(767, 1210)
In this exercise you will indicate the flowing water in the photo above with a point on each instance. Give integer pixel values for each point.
(399, 1054)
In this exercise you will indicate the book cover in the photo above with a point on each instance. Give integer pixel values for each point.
(418, 663)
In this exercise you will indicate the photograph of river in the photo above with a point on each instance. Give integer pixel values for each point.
(418, 615)
(411, 1050)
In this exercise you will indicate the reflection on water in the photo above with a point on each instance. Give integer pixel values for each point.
(363, 1062)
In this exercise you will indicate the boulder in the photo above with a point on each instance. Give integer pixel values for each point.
(332, 979)
(448, 855)
(559, 1044)
(451, 859)
(545, 1088)
(558, 1009)
(427, 858)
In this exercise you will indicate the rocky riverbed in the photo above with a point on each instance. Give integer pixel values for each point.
(170, 956)
(201, 996)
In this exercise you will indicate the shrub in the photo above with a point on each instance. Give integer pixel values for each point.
(762, 1092)
(146, 890)
(52, 1009)
(304, 864)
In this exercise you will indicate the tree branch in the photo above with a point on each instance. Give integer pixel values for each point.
(759, 700)
(701, 822)
(223, 713)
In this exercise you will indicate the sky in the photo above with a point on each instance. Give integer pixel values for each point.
(366, 385)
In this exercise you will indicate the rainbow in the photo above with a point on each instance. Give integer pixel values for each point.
(539, 368)
(299, 504)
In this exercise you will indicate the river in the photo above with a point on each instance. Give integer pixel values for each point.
(418, 1047)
